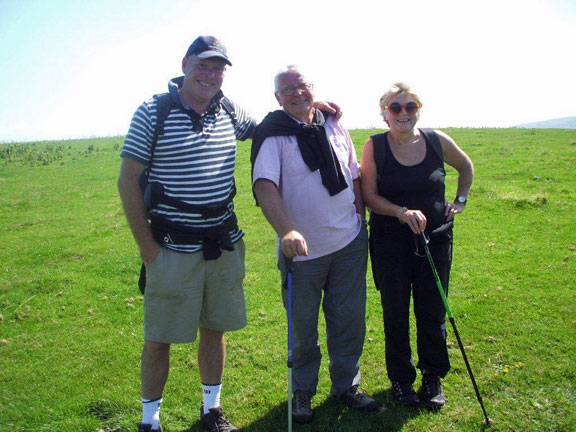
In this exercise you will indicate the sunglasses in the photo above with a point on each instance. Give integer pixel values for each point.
(396, 108)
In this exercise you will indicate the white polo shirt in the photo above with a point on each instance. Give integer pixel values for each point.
(328, 223)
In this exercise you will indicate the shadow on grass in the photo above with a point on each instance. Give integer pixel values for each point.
(332, 416)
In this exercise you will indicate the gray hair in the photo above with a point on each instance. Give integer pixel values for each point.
(290, 69)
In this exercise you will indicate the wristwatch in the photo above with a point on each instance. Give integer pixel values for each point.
(461, 199)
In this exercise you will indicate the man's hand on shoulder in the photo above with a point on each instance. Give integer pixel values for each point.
(330, 108)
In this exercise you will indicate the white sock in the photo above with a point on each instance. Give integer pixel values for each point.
(211, 396)
(151, 412)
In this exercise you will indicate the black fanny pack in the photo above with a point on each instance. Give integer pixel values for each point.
(213, 239)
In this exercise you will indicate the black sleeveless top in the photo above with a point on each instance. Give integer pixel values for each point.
(417, 187)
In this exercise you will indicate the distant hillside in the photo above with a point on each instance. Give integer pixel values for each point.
(559, 123)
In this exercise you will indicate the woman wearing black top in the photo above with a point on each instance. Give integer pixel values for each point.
(403, 186)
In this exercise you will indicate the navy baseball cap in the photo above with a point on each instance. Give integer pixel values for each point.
(206, 47)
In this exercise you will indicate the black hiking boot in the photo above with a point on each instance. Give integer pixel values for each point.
(146, 427)
(356, 399)
(405, 394)
(216, 421)
(432, 393)
(302, 407)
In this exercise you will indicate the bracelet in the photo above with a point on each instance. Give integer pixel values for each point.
(401, 212)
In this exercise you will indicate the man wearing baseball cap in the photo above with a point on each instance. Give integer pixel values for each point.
(188, 237)
(192, 248)
(208, 47)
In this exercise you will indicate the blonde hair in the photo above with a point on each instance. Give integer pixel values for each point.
(397, 89)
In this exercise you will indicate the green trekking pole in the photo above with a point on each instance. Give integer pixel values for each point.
(425, 241)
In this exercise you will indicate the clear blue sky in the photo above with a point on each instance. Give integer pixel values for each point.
(75, 68)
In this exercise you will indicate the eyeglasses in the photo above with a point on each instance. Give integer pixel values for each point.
(410, 107)
(290, 90)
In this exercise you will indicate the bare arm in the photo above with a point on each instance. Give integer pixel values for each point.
(358, 201)
(292, 242)
(456, 158)
(135, 210)
(379, 204)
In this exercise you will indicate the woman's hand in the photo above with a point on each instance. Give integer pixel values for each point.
(415, 219)
(451, 209)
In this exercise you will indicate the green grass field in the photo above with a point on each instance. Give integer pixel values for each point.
(70, 311)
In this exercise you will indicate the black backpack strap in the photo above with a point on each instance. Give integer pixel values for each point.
(379, 149)
(155, 194)
(432, 137)
(163, 107)
(229, 107)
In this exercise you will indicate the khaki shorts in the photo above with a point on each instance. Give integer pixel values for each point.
(184, 292)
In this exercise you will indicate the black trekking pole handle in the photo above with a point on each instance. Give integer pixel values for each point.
(288, 263)
(425, 241)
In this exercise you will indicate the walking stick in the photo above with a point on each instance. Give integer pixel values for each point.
(289, 268)
(425, 241)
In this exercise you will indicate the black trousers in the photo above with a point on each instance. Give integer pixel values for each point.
(400, 273)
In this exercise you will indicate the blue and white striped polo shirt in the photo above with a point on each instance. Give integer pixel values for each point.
(194, 158)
